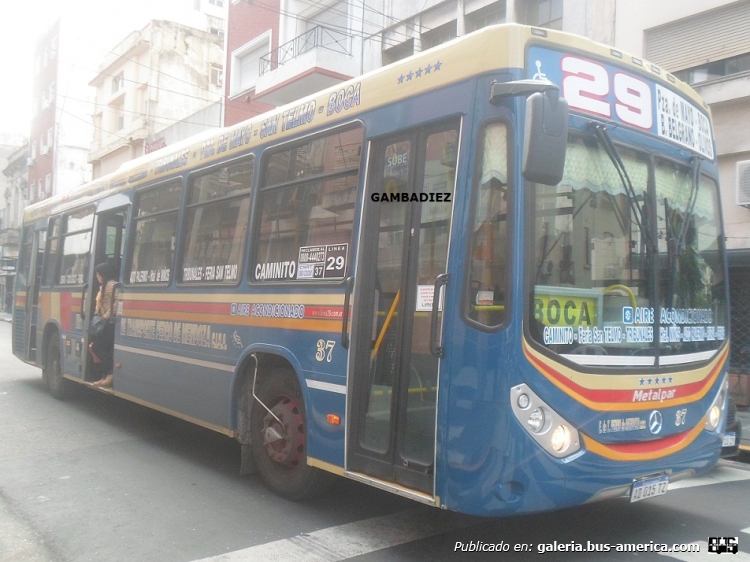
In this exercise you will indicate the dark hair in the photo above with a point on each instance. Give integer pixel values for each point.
(106, 270)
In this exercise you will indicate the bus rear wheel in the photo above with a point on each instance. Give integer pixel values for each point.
(52, 373)
(279, 441)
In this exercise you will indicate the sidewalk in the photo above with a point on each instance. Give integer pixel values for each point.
(5, 317)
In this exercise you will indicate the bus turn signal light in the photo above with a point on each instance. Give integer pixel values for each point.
(333, 419)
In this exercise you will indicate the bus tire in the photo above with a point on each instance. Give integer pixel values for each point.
(281, 453)
(56, 383)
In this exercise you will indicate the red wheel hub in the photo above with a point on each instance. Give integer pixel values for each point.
(285, 442)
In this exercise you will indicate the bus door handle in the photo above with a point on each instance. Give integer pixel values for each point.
(83, 301)
(440, 281)
(348, 283)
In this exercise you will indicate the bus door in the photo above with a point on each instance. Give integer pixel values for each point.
(30, 270)
(108, 247)
(403, 260)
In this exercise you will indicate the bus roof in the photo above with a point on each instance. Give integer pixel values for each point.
(502, 47)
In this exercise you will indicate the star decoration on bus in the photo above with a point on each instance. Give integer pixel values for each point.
(652, 381)
(419, 72)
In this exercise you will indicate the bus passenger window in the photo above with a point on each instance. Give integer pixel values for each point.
(307, 209)
(216, 224)
(486, 295)
(76, 246)
(155, 233)
(49, 275)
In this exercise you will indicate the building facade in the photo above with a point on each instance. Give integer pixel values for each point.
(13, 191)
(59, 131)
(154, 78)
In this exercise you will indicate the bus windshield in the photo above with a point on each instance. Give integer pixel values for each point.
(594, 300)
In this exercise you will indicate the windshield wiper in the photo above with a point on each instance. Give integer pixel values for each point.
(606, 141)
(696, 161)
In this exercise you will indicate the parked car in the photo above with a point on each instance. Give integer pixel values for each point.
(733, 433)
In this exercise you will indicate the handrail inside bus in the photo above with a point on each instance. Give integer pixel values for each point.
(387, 322)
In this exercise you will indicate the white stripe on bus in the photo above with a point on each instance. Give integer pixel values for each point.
(328, 386)
(179, 358)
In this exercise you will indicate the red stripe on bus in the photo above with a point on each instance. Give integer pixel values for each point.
(213, 308)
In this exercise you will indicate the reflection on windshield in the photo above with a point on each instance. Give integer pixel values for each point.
(595, 298)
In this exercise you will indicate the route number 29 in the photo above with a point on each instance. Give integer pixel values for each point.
(587, 86)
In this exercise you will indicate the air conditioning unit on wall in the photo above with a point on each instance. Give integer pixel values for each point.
(743, 183)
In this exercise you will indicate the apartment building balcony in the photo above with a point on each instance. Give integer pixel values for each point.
(319, 58)
(134, 133)
(729, 99)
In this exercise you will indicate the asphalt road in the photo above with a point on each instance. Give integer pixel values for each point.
(96, 478)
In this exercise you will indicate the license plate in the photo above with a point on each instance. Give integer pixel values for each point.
(649, 487)
(729, 440)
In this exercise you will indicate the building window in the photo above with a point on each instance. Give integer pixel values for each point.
(217, 75)
(489, 15)
(118, 82)
(246, 63)
(33, 150)
(50, 137)
(439, 35)
(405, 49)
(215, 26)
(48, 184)
(197, 5)
(715, 69)
(117, 115)
(545, 13)
(217, 3)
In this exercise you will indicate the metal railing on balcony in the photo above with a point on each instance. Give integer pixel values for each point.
(317, 37)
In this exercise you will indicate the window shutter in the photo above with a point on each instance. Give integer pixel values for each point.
(700, 39)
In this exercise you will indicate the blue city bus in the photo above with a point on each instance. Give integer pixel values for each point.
(493, 284)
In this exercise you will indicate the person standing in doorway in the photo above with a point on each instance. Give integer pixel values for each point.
(103, 346)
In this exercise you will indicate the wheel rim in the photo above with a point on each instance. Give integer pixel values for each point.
(285, 442)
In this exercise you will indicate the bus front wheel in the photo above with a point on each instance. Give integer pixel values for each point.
(279, 441)
(52, 373)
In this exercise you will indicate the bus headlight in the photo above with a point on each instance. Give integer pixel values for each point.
(548, 428)
(560, 439)
(714, 416)
(536, 420)
(717, 407)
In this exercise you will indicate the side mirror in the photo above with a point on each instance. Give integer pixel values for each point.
(545, 137)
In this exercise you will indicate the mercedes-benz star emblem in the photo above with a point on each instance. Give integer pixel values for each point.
(655, 422)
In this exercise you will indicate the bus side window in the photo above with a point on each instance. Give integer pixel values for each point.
(486, 294)
(307, 207)
(217, 215)
(155, 226)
